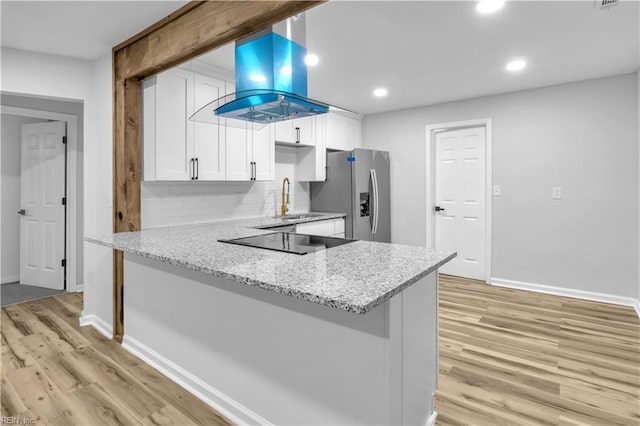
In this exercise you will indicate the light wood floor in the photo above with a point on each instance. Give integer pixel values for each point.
(506, 357)
(62, 374)
(515, 357)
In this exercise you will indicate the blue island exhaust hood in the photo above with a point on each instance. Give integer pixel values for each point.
(271, 79)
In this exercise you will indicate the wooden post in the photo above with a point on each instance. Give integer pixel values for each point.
(192, 30)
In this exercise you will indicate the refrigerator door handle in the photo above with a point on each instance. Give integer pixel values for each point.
(371, 208)
(374, 216)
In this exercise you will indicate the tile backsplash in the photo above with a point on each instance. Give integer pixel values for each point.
(179, 203)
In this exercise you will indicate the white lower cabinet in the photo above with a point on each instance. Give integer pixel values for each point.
(327, 228)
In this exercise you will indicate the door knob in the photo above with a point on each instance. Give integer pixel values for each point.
(22, 212)
(438, 209)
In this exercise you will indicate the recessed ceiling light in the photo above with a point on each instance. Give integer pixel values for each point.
(311, 60)
(516, 65)
(489, 6)
(380, 92)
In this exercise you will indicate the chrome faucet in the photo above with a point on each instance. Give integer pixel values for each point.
(284, 208)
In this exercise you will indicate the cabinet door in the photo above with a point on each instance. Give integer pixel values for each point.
(174, 132)
(321, 148)
(305, 128)
(264, 152)
(312, 161)
(209, 139)
(283, 131)
(149, 128)
(300, 131)
(238, 153)
(343, 133)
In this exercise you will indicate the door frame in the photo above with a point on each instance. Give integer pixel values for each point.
(71, 217)
(431, 131)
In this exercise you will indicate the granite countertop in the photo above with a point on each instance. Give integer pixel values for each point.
(354, 277)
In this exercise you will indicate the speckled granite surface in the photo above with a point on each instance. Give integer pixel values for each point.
(353, 277)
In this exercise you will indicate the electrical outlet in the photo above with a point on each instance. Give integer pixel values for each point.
(497, 191)
(239, 198)
(556, 193)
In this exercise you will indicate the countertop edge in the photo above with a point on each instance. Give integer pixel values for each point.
(265, 225)
(357, 309)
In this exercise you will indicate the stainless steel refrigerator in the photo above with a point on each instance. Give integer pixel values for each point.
(357, 184)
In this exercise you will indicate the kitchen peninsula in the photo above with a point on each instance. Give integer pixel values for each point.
(346, 335)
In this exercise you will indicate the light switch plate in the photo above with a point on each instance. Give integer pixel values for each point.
(556, 193)
(497, 191)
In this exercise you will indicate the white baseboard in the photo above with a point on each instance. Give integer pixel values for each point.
(79, 288)
(98, 323)
(568, 292)
(432, 419)
(7, 280)
(225, 405)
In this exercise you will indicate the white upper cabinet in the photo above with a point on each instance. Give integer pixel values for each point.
(239, 154)
(174, 147)
(343, 131)
(250, 154)
(299, 131)
(312, 161)
(173, 144)
(264, 155)
(209, 144)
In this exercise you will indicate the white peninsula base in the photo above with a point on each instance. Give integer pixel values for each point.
(259, 357)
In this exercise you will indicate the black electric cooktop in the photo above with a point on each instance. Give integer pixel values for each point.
(289, 242)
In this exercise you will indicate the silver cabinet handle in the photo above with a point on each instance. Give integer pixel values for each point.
(22, 212)
(197, 168)
(191, 169)
(297, 134)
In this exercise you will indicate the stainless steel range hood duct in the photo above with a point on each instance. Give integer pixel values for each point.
(271, 79)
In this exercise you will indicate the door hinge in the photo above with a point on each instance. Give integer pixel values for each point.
(64, 201)
(63, 263)
(64, 139)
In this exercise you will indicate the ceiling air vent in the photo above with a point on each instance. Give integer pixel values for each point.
(600, 5)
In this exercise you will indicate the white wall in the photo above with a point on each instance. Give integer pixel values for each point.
(42, 75)
(10, 169)
(98, 289)
(176, 203)
(581, 136)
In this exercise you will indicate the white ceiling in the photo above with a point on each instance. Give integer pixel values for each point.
(80, 29)
(424, 52)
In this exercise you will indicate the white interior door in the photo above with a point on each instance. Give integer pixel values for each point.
(42, 190)
(460, 157)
